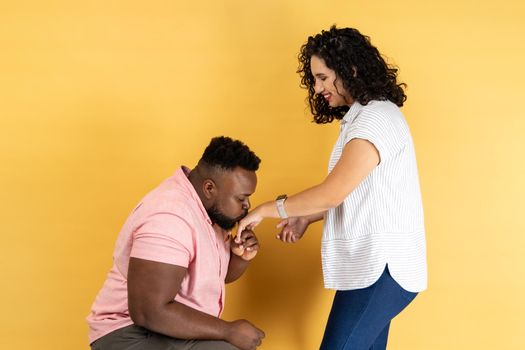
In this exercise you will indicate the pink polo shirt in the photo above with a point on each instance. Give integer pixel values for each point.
(169, 225)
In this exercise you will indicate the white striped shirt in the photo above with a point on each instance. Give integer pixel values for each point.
(381, 221)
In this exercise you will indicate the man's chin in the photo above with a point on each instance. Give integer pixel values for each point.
(228, 227)
(224, 222)
(239, 218)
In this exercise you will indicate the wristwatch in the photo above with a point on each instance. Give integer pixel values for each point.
(279, 202)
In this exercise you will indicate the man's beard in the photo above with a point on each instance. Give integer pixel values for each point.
(224, 222)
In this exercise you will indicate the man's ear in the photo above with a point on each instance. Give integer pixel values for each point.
(209, 189)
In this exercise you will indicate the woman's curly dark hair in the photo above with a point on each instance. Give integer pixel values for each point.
(360, 66)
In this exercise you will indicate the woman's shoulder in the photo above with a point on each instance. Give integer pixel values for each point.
(382, 115)
(381, 108)
(381, 111)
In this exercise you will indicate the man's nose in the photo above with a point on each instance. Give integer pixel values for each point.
(246, 205)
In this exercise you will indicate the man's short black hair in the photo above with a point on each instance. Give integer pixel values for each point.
(227, 154)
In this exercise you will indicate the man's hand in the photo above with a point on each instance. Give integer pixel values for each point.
(244, 335)
(246, 245)
(292, 229)
(244, 248)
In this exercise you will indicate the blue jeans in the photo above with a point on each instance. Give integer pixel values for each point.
(360, 319)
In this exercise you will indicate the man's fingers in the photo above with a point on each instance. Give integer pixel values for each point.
(239, 250)
(247, 234)
(253, 248)
(252, 244)
(250, 241)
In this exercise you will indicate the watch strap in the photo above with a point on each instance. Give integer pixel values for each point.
(279, 203)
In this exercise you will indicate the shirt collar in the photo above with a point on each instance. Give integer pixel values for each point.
(181, 176)
(354, 110)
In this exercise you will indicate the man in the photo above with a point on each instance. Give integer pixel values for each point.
(172, 258)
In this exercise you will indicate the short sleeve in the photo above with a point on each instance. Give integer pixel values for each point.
(384, 130)
(165, 238)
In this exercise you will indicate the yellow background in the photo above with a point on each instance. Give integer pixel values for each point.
(101, 100)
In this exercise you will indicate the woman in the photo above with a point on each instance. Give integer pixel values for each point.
(373, 246)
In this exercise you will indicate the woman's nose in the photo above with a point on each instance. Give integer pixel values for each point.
(318, 87)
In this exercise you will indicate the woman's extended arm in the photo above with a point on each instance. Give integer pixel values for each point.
(358, 159)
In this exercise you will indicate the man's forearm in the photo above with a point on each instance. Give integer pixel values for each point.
(180, 321)
(236, 268)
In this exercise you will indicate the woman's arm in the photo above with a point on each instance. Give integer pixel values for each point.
(358, 159)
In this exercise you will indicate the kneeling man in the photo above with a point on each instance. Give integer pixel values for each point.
(173, 257)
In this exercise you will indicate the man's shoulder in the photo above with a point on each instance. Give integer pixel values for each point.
(170, 199)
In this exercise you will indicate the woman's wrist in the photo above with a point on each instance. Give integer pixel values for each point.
(269, 210)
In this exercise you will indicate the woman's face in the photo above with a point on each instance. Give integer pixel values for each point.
(328, 84)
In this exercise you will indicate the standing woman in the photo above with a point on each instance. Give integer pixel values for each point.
(373, 245)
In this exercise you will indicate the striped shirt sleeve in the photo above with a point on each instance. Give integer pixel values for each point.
(382, 129)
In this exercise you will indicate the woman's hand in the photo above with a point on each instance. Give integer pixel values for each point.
(251, 220)
(247, 247)
(292, 229)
